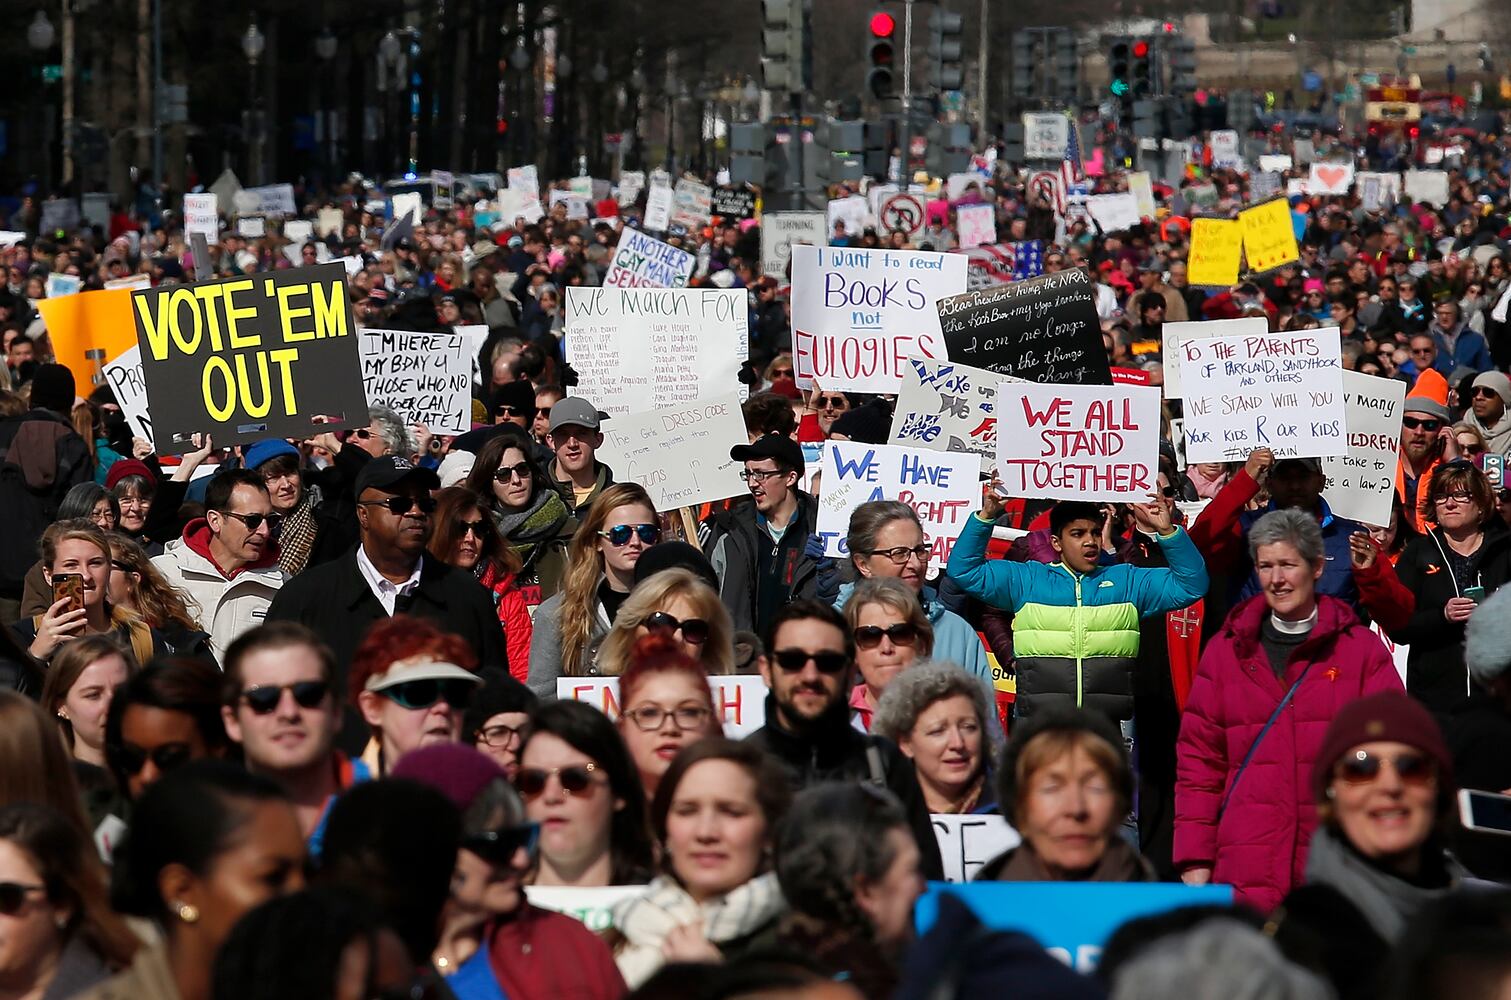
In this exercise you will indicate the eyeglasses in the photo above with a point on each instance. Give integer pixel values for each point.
(1413, 423)
(901, 634)
(478, 529)
(901, 554)
(1362, 767)
(164, 758)
(13, 896)
(1459, 497)
(399, 506)
(832, 402)
(758, 475)
(498, 847)
(1422, 350)
(500, 736)
(649, 718)
(423, 694)
(575, 780)
(826, 660)
(781, 373)
(362, 434)
(694, 630)
(507, 473)
(264, 699)
(254, 521)
(619, 535)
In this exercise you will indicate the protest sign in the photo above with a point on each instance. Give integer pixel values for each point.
(1045, 135)
(658, 209)
(1175, 336)
(631, 183)
(124, 376)
(639, 349)
(1216, 246)
(201, 215)
(577, 205)
(1268, 238)
(1282, 391)
(249, 358)
(1277, 163)
(424, 377)
(271, 199)
(408, 204)
(525, 179)
(734, 203)
(94, 206)
(1114, 212)
(642, 261)
(1362, 482)
(593, 906)
(1078, 442)
(660, 178)
(679, 453)
(943, 487)
(780, 230)
(1330, 178)
(852, 211)
(10, 237)
(1263, 184)
(519, 203)
(60, 284)
(251, 227)
(1376, 190)
(87, 330)
(298, 231)
(58, 214)
(692, 203)
(739, 700)
(967, 842)
(948, 407)
(858, 314)
(1225, 154)
(581, 186)
(1142, 188)
(328, 222)
(1072, 920)
(977, 225)
(1044, 329)
(1430, 186)
(131, 281)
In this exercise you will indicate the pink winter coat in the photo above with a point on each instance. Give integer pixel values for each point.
(1259, 846)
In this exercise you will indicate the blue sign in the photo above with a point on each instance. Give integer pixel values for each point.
(1072, 920)
(1311, 81)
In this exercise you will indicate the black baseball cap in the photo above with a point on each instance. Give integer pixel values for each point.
(389, 471)
(778, 446)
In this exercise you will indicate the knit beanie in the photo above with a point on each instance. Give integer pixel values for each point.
(52, 388)
(674, 554)
(1497, 381)
(500, 692)
(456, 770)
(1389, 716)
(1429, 396)
(869, 424)
(123, 468)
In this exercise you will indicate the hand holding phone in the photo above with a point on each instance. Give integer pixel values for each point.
(69, 586)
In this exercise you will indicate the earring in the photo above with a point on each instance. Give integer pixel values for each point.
(1332, 792)
(188, 913)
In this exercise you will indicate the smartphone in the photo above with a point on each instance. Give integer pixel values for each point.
(1475, 593)
(1485, 812)
(70, 586)
(1495, 469)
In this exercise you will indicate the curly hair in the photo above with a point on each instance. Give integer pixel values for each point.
(391, 428)
(918, 688)
(156, 601)
(403, 637)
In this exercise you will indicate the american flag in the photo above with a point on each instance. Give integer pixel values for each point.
(1000, 263)
(1070, 167)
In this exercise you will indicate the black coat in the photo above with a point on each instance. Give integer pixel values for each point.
(836, 751)
(734, 545)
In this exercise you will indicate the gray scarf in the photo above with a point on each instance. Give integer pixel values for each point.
(1387, 901)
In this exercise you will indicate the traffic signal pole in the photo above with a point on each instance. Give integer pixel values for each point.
(904, 130)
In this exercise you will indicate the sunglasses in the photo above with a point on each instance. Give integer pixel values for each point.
(1363, 767)
(619, 535)
(512, 411)
(1169, 492)
(13, 896)
(781, 373)
(832, 402)
(265, 699)
(399, 506)
(164, 758)
(827, 661)
(478, 529)
(423, 694)
(1412, 423)
(1485, 391)
(362, 433)
(255, 521)
(507, 473)
(575, 780)
(498, 847)
(694, 630)
(901, 634)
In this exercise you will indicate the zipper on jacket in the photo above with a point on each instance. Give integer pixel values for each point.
(1080, 646)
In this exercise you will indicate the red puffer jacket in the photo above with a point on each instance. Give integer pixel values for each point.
(1260, 842)
(514, 616)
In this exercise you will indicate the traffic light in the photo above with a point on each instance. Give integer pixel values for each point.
(878, 150)
(1120, 67)
(881, 31)
(840, 147)
(1146, 119)
(1143, 68)
(1025, 65)
(949, 150)
(1182, 66)
(944, 50)
(1012, 150)
(747, 154)
(1067, 67)
(782, 45)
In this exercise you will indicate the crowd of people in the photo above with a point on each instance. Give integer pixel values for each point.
(291, 719)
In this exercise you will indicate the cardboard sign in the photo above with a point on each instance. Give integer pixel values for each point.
(1277, 163)
(692, 203)
(594, 907)
(1282, 391)
(1362, 483)
(734, 203)
(1430, 186)
(1114, 212)
(631, 183)
(977, 225)
(639, 349)
(201, 215)
(739, 699)
(852, 211)
(242, 359)
(424, 377)
(251, 227)
(1141, 187)
(271, 199)
(780, 230)
(1078, 442)
(943, 487)
(1072, 920)
(658, 209)
(858, 314)
(680, 453)
(329, 222)
(94, 206)
(1044, 329)
(124, 376)
(1175, 336)
(87, 330)
(525, 179)
(948, 407)
(1215, 249)
(1268, 237)
(1330, 178)
(968, 842)
(59, 284)
(642, 261)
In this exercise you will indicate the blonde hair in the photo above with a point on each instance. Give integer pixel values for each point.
(649, 596)
(890, 592)
(579, 589)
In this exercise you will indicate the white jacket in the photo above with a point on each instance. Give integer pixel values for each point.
(226, 608)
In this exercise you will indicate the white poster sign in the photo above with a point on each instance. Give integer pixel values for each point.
(966, 842)
(1176, 334)
(679, 453)
(577, 205)
(658, 209)
(425, 377)
(1045, 135)
(1078, 442)
(59, 284)
(1430, 186)
(411, 204)
(692, 204)
(1330, 178)
(739, 699)
(201, 215)
(780, 230)
(124, 376)
(328, 222)
(642, 261)
(1225, 152)
(631, 183)
(525, 179)
(852, 211)
(271, 199)
(948, 407)
(1361, 484)
(1114, 212)
(1274, 162)
(977, 225)
(1142, 188)
(519, 203)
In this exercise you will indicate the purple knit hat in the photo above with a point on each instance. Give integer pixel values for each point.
(455, 770)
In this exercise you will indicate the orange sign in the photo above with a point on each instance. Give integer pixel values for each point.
(89, 330)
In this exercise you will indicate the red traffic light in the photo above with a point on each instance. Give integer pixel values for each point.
(1140, 49)
(883, 24)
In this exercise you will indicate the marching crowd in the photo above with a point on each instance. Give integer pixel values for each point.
(282, 720)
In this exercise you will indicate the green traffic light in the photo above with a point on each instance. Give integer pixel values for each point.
(1119, 87)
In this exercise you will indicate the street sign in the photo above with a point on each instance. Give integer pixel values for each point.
(1045, 135)
(902, 211)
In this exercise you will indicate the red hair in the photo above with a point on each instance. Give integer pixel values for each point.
(657, 654)
(403, 637)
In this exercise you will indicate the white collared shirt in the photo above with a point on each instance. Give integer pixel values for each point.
(383, 589)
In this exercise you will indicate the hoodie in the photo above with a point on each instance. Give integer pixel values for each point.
(225, 605)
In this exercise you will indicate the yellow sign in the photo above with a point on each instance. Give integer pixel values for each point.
(1268, 239)
(1215, 248)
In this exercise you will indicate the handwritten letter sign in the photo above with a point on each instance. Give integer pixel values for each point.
(948, 407)
(1044, 329)
(1362, 483)
(1078, 442)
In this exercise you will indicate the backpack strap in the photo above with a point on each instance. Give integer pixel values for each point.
(1274, 717)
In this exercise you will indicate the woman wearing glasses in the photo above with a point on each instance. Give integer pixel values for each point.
(1285, 663)
(164, 716)
(528, 511)
(600, 572)
(579, 784)
(465, 537)
(891, 633)
(1451, 568)
(677, 603)
(665, 705)
(412, 683)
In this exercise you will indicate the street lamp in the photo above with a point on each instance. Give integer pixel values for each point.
(325, 51)
(40, 36)
(325, 44)
(253, 42)
(388, 48)
(40, 33)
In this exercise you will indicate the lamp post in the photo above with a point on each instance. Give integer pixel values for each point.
(390, 61)
(325, 51)
(40, 36)
(253, 42)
